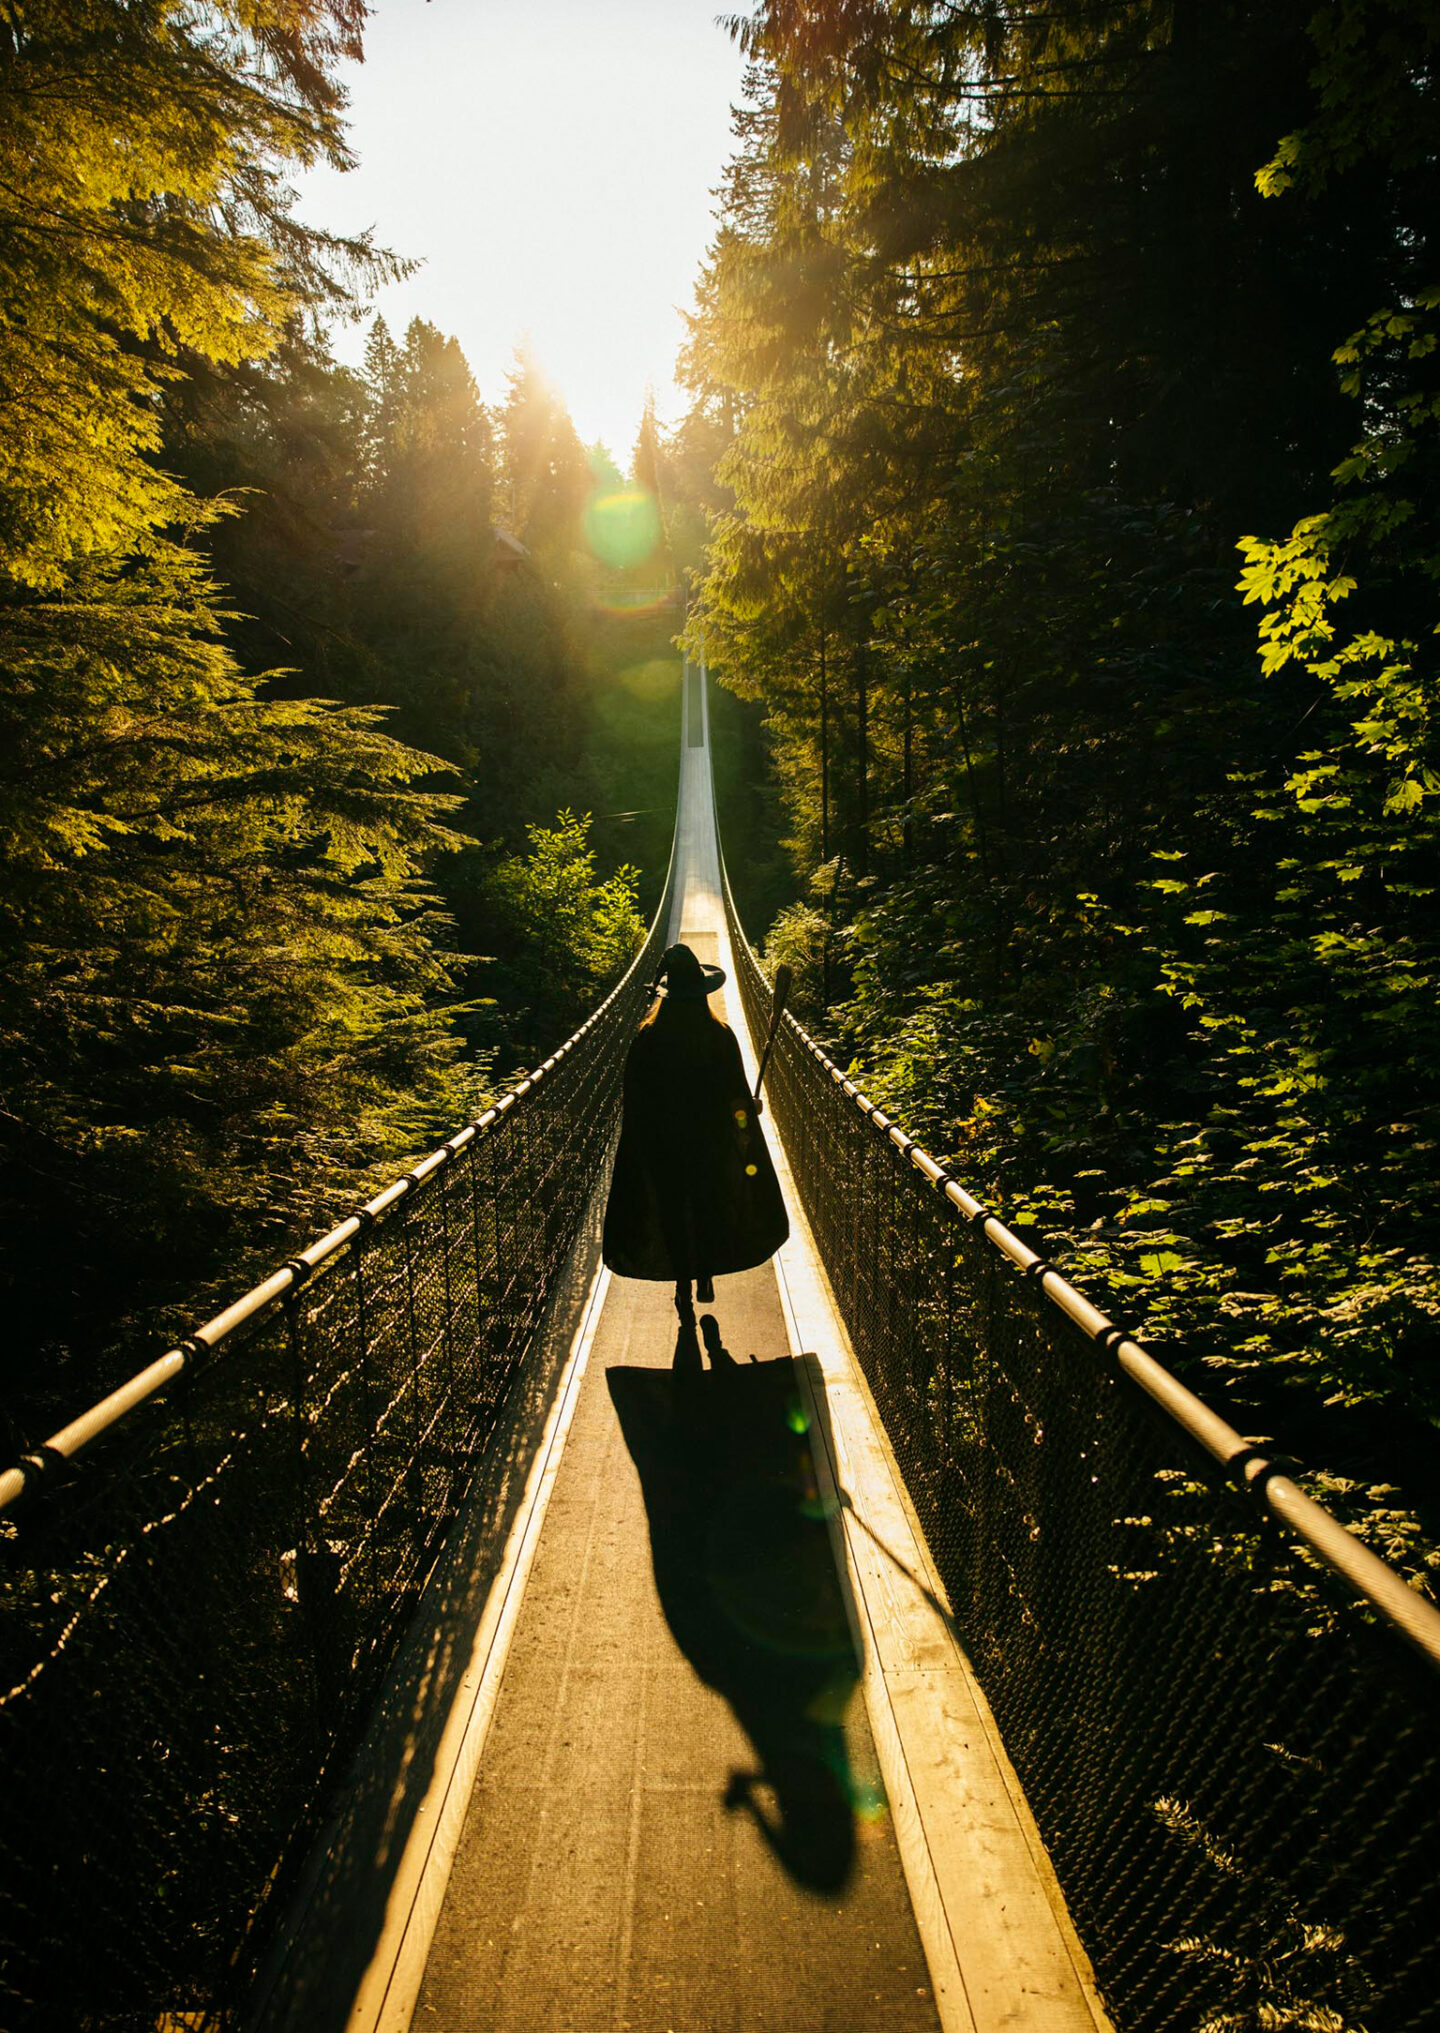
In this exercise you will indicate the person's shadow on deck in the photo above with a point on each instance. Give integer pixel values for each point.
(747, 1582)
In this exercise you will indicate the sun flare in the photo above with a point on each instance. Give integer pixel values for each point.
(551, 172)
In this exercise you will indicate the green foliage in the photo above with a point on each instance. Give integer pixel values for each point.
(384, 578)
(144, 218)
(799, 939)
(1010, 349)
(230, 995)
(227, 1001)
(631, 723)
(1295, 1987)
(429, 452)
(545, 475)
(569, 934)
(223, 1004)
(1375, 81)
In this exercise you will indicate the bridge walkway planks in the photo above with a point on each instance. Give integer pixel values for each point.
(678, 1821)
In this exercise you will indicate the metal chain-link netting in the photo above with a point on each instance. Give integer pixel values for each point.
(1235, 1767)
(195, 1617)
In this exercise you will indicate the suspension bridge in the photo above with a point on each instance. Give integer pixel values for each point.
(443, 1637)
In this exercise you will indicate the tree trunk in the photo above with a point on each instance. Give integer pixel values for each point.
(861, 856)
(824, 751)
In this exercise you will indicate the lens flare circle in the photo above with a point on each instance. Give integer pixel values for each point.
(622, 526)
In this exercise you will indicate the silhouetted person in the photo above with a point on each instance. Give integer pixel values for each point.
(694, 1194)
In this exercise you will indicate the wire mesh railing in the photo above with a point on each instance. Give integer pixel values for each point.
(1221, 1707)
(203, 1581)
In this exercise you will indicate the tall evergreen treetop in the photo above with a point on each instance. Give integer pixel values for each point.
(223, 996)
(144, 217)
(1018, 346)
(545, 473)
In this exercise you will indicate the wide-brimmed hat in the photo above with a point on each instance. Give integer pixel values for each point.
(683, 978)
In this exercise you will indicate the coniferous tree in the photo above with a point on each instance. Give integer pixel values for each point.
(545, 475)
(384, 381)
(223, 1000)
(1016, 352)
(645, 459)
(145, 218)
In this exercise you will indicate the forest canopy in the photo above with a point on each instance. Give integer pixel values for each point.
(293, 655)
(1079, 547)
(1060, 479)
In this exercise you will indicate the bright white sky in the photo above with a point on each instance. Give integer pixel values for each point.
(552, 164)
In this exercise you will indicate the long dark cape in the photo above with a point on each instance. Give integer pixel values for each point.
(693, 1191)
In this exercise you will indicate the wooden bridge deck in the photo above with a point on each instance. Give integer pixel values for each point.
(698, 1777)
